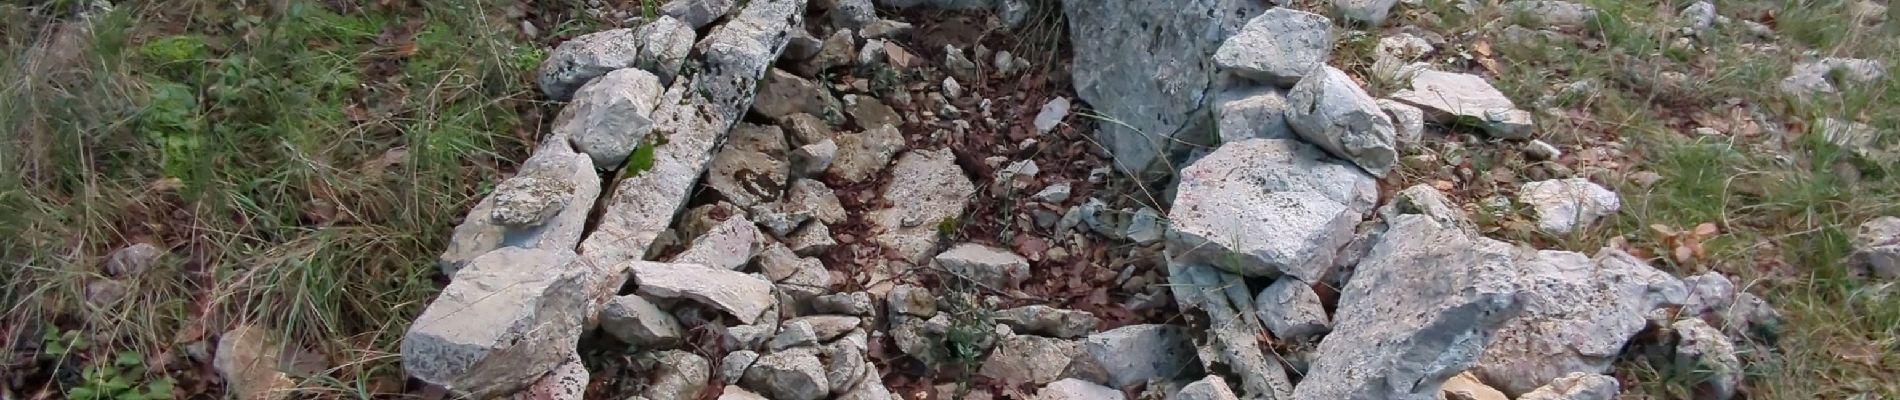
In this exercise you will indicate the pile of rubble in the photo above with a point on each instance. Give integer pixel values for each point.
(688, 199)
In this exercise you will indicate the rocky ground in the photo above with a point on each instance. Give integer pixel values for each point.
(937, 199)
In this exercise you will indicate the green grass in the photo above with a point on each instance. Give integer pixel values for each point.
(1787, 204)
(303, 165)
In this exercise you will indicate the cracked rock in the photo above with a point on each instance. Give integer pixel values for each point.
(508, 318)
(697, 13)
(788, 375)
(1030, 359)
(1577, 386)
(752, 169)
(1263, 207)
(1877, 248)
(785, 94)
(1370, 12)
(1454, 98)
(744, 296)
(664, 45)
(1564, 205)
(1578, 314)
(1329, 110)
(1077, 389)
(993, 267)
(861, 156)
(1277, 47)
(637, 321)
(926, 190)
(1048, 321)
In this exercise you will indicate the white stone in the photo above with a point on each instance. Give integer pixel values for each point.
(1077, 389)
(1262, 207)
(1578, 314)
(1564, 205)
(1577, 386)
(861, 156)
(1704, 349)
(1454, 98)
(744, 296)
(1877, 248)
(1252, 112)
(637, 321)
(527, 194)
(788, 375)
(1277, 47)
(996, 268)
(729, 245)
(753, 167)
(926, 190)
(1327, 109)
(1052, 114)
(508, 318)
(581, 59)
(1291, 310)
(1048, 321)
(1408, 121)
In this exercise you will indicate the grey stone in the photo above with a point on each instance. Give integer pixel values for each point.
(1402, 47)
(729, 245)
(883, 29)
(802, 278)
(861, 156)
(1135, 354)
(1212, 387)
(697, 112)
(1252, 112)
(501, 219)
(1077, 389)
(839, 49)
(788, 375)
(697, 13)
(828, 327)
(1421, 308)
(1327, 109)
(785, 94)
(1699, 15)
(846, 367)
(1055, 193)
(813, 197)
(1542, 151)
(1234, 329)
(1466, 386)
(926, 189)
(1291, 310)
(1704, 349)
(812, 240)
(1262, 207)
(1408, 120)
(911, 300)
(996, 268)
(1578, 314)
(576, 61)
(133, 260)
(1826, 75)
(1454, 98)
(871, 112)
(1554, 14)
(1052, 114)
(1158, 95)
(1564, 205)
(753, 166)
(1048, 321)
(1371, 12)
(508, 318)
(852, 14)
(793, 334)
(869, 387)
(664, 45)
(738, 393)
(744, 296)
(637, 321)
(734, 365)
(854, 303)
(807, 129)
(1145, 226)
(802, 46)
(1877, 248)
(812, 159)
(566, 382)
(1030, 359)
(1855, 137)
(939, 4)
(678, 375)
(249, 362)
(1277, 47)
(1577, 386)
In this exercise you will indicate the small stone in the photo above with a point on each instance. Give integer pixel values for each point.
(785, 94)
(1466, 386)
(951, 88)
(1052, 113)
(960, 66)
(1704, 349)
(105, 294)
(1371, 12)
(1212, 387)
(1563, 205)
(812, 159)
(1542, 151)
(729, 245)
(678, 375)
(840, 49)
(788, 375)
(913, 301)
(1554, 14)
(1877, 248)
(752, 168)
(995, 268)
(737, 393)
(1329, 110)
(927, 193)
(1135, 354)
(664, 45)
(1277, 47)
(1824, 75)
(1265, 207)
(812, 240)
(733, 367)
(846, 367)
(249, 364)
(508, 318)
(1577, 386)
(1077, 389)
(1452, 98)
(1018, 173)
(637, 321)
(1048, 321)
(1030, 359)
(884, 29)
(1579, 313)
(697, 13)
(1402, 47)
(133, 260)
(1145, 227)
(854, 303)
(1291, 310)
(566, 382)
(579, 60)
(1699, 15)
(793, 334)
(1055, 193)
(1408, 120)
(827, 327)
(529, 200)
(852, 14)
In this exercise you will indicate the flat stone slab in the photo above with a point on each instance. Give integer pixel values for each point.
(742, 295)
(1265, 207)
(509, 317)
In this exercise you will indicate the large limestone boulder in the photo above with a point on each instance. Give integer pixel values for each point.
(1329, 110)
(611, 115)
(1277, 47)
(1421, 308)
(1264, 207)
(508, 318)
(926, 190)
(1578, 314)
(1156, 94)
(544, 206)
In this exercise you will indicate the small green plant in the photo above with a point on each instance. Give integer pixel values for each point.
(118, 380)
(948, 226)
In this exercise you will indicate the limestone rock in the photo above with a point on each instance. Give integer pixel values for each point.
(1704, 349)
(1421, 308)
(911, 300)
(1030, 359)
(1159, 93)
(871, 112)
(1564, 205)
(507, 319)
(1052, 114)
(840, 49)
(1877, 248)
(828, 327)
(788, 375)
(1262, 207)
(581, 59)
(1576, 386)
(793, 334)
(785, 94)
(1467, 387)
(1291, 310)
(812, 159)
(861, 156)
(1408, 120)
(1578, 314)
(1370, 12)
(1212, 387)
(800, 277)
(1048, 321)
(1251, 112)
(744, 296)
(852, 14)
(996, 268)
(1077, 389)
(1825, 75)
(133, 260)
(250, 364)
(1277, 47)
(814, 198)
(738, 393)
(664, 45)
(637, 321)
(734, 365)
(729, 245)
(1234, 329)
(1454, 98)
(697, 13)
(1134, 354)
(846, 367)
(753, 167)
(1327, 109)
(854, 303)
(678, 375)
(517, 215)
(812, 240)
(926, 189)
(566, 382)
(1554, 14)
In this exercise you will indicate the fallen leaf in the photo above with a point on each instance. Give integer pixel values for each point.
(1705, 229)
